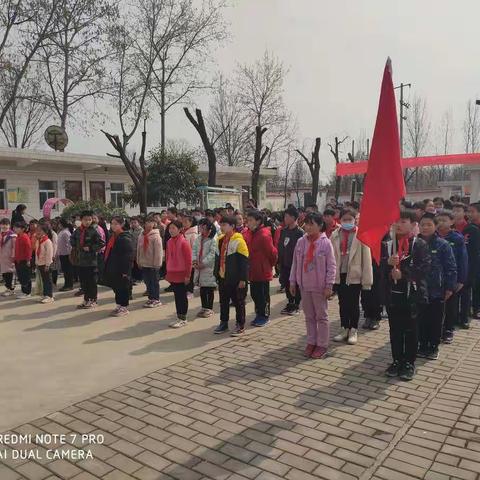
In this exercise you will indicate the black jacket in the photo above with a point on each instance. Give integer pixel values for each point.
(286, 245)
(118, 265)
(92, 241)
(472, 241)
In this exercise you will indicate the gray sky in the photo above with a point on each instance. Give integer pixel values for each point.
(335, 51)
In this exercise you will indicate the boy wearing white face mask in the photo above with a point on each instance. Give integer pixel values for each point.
(354, 273)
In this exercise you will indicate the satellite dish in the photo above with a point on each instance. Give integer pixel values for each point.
(56, 137)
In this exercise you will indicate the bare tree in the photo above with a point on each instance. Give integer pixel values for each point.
(231, 124)
(25, 25)
(183, 38)
(471, 128)
(289, 165)
(444, 141)
(75, 56)
(298, 179)
(260, 88)
(418, 133)
(314, 167)
(335, 151)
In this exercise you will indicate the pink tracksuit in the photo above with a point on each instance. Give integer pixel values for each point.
(312, 281)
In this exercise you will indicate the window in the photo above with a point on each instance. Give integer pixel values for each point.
(3, 195)
(46, 189)
(73, 190)
(97, 191)
(117, 191)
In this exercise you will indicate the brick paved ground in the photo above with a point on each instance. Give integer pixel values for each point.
(254, 408)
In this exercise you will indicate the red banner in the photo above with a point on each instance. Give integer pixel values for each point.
(357, 168)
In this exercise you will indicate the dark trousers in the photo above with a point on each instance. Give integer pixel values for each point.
(23, 275)
(452, 306)
(181, 300)
(207, 297)
(237, 296)
(88, 283)
(46, 275)
(403, 332)
(122, 295)
(476, 294)
(8, 279)
(465, 304)
(260, 292)
(137, 272)
(67, 270)
(152, 279)
(190, 286)
(285, 282)
(372, 299)
(54, 276)
(430, 323)
(349, 302)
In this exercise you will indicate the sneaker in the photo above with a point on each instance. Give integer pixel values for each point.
(47, 300)
(261, 322)
(23, 295)
(221, 328)
(121, 312)
(433, 354)
(87, 305)
(319, 353)
(375, 325)
(448, 337)
(253, 323)
(114, 312)
(407, 371)
(287, 309)
(352, 337)
(294, 312)
(367, 324)
(238, 332)
(393, 370)
(309, 350)
(179, 323)
(342, 336)
(155, 304)
(8, 293)
(79, 293)
(422, 351)
(168, 289)
(202, 313)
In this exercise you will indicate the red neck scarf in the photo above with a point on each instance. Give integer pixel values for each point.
(223, 252)
(146, 240)
(41, 240)
(110, 245)
(4, 236)
(202, 239)
(403, 246)
(311, 249)
(345, 234)
(82, 235)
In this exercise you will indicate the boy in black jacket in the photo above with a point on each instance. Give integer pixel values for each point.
(472, 291)
(289, 237)
(406, 287)
(231, 271)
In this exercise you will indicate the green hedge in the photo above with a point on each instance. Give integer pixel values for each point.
(100, 208)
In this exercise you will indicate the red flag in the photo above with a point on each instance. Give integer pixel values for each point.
(384, 184)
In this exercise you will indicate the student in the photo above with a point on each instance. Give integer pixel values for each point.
(64, 249)
(430, 206)
(472, 289)
(86, 243)
(172, 216)
(7, 256)
(441, 283)
(231, 271)
(290, 235)
(136, 231)
(150, 260)
(179, 267)
(23, 255)
(190, 231)
(313, 273)
(330, 223)
(459, 212)
(18, 214)
(439, 203)
(407, 266)
(203, 256)
(44, 258)
(457, 243)
(354, 273)
(32, 233)
(240, 226)
(119, 255)
(263, 257)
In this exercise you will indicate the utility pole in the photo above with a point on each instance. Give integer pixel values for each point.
(402, 116)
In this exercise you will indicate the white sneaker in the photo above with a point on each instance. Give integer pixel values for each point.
(8, 293)
(23, 295)
(179, 324)
(47, 300)
(352, 337)
(121, 312)
(152, 304)
(342, 336)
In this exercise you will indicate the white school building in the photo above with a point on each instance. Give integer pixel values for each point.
(31, 177)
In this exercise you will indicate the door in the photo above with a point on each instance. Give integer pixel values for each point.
(97, 191)
(73, 190)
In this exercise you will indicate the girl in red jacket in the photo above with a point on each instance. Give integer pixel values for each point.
(179, 268)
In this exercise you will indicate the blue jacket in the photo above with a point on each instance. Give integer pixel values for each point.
(457, 242)
(443, 271)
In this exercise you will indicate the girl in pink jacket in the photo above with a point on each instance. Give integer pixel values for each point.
(313, 271)
(44, 255)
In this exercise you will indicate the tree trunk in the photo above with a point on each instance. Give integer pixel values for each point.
(257, 161)
(143, 198)
(337, 187)
(162, 112)
(316, 169)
